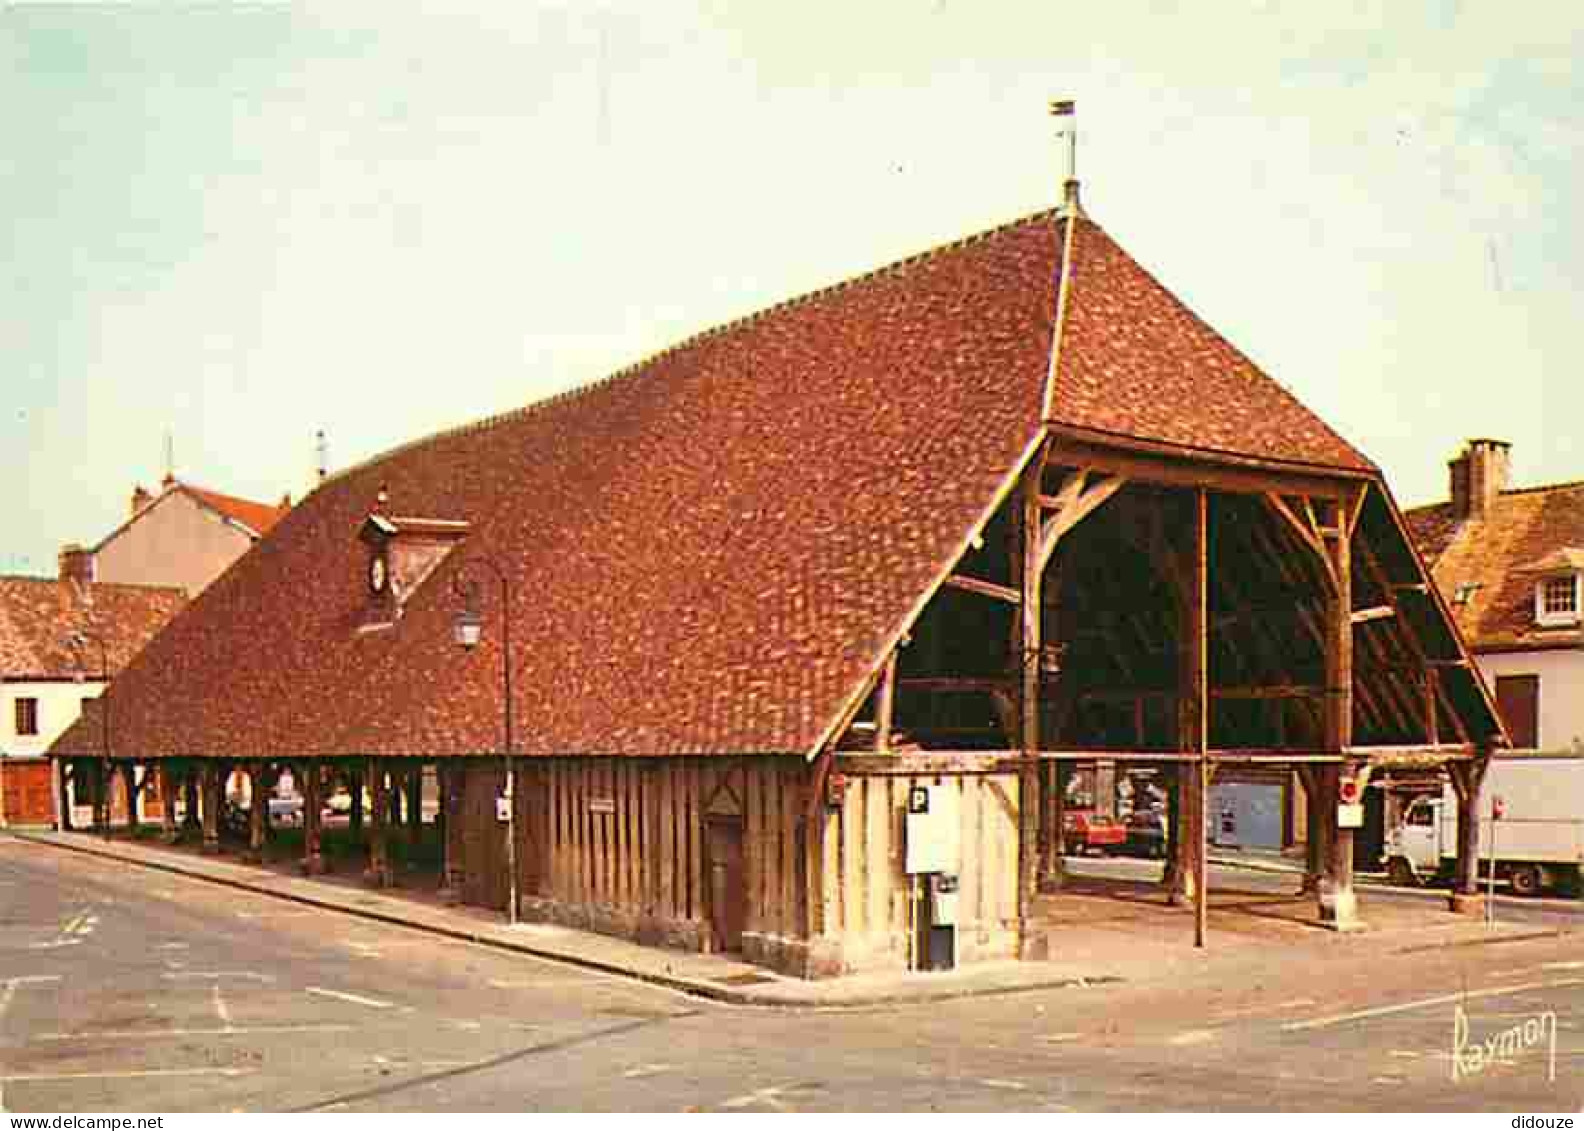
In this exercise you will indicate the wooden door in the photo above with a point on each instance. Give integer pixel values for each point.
(484, 882)
(728, 893)
(1518, 700)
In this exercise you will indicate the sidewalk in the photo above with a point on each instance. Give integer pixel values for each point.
(1091, 954)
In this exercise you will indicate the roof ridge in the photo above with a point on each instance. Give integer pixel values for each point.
(636, 367)
(1565, 485)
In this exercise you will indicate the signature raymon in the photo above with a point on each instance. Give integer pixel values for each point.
(1472, 1057)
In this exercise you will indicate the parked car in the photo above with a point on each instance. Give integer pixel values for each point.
(286, 810)
(340, 801)
(1087, 831)
(1146, 833)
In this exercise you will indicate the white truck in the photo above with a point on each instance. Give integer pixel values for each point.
(1539, 837)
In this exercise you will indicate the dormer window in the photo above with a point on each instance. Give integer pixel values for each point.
(1557, 600)
(402, 553)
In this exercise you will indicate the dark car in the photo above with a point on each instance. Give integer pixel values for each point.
(1085, 831)
(1146, 833)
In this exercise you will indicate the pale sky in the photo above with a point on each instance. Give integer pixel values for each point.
(241, 223)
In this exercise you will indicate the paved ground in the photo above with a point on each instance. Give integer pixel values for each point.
(125, 989)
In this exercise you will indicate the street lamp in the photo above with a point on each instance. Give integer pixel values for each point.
(77, 641)
(469, 630)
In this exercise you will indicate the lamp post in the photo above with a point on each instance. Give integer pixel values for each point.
(469, 628)
(77, 641)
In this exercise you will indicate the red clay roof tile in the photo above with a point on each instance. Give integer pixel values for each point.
(38, 615)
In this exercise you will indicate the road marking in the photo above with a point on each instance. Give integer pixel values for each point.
(768, 1096)
(220, 1006)
(230, 1031)
(175, 946)
(241, 975)
(1562, 966)
(11, 985)
(372, 1003)
(640, 1071)
(136, 1075)
(1442, 999)
(1005, 1085)
(1193, 1037)
(529, 983)
(1405, 1054)
(1060, 1038)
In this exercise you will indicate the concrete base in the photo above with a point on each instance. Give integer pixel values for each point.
(1471, 904)
(1339, 909)
(211, 848)
(313, 864)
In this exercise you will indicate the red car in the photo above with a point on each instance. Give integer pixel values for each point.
(1086, 831)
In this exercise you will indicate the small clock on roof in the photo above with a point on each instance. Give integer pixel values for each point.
(377, 575)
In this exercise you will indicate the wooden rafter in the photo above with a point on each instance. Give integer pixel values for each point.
(1377, 612)
(985, 588)
(1072, 504)
(1308, 531)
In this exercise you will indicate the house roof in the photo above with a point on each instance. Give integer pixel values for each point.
(1525, 534)
(706, 552)
(256, 519)
(39, 615)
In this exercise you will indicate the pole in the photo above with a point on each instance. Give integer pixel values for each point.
(513, 895)
(1202, 645)
(1490, 883)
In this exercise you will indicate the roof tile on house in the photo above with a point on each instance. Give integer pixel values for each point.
(39, 615)
(257, 517)
(1502, 556)
(709, 551)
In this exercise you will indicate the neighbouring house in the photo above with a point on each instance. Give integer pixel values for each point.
(59, 639)
(788, 640)
(1509, 561)
(184, 536)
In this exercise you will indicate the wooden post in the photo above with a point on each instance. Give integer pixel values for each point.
(212, 789)
(1199, 598)
(1338, 904)
(451, 797)
(415, 805)
(885, 705)
(130, 787)
(1314, 830)
(62, 790)
(1054, 816)
(1467, 778)
(378, 872)
(190, 804)
(355, 810)
(1030, 571)
(258, 807)
(167, 782)
(312, 787)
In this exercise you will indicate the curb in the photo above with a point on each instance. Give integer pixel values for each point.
(689, 986)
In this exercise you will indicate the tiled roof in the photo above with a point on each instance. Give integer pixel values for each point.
(38, 615)
(708, 551)
(1503, 556)
(257, 517)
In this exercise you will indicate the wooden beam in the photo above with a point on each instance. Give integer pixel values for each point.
(1375, 612)
(985, 588)
(1172, 466)
(1307, 532)
(885, 705)
(1076, 511)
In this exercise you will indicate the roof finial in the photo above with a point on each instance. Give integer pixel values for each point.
(322, 454)
(170, 459)
(1065, 113)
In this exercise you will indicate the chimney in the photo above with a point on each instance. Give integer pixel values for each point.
(1478, 476)
(76, 564)
(140, 498)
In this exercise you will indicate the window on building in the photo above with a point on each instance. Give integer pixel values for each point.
(1518, 700)
(1557, 600)
(27, 721)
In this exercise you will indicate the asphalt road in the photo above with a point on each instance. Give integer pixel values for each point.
(123, 989)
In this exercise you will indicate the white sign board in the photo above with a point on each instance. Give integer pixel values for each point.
(503, 808)
(1350, 816)
(934, 829)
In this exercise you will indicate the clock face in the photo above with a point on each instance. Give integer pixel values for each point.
(377, 573)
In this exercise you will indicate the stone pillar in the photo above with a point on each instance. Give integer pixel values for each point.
(311, 784)
(378, 872)
(258, 809)
(1338, 904)
(213, 789)
(167, 783)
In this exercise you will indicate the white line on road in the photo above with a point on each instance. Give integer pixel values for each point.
(640, 1071)
(135, 1075)
(1060, 1038)
(372, 1003)
(769, 1096)
(1442, 999)
(220, 1006)
(230, 1031)
(218, 975)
